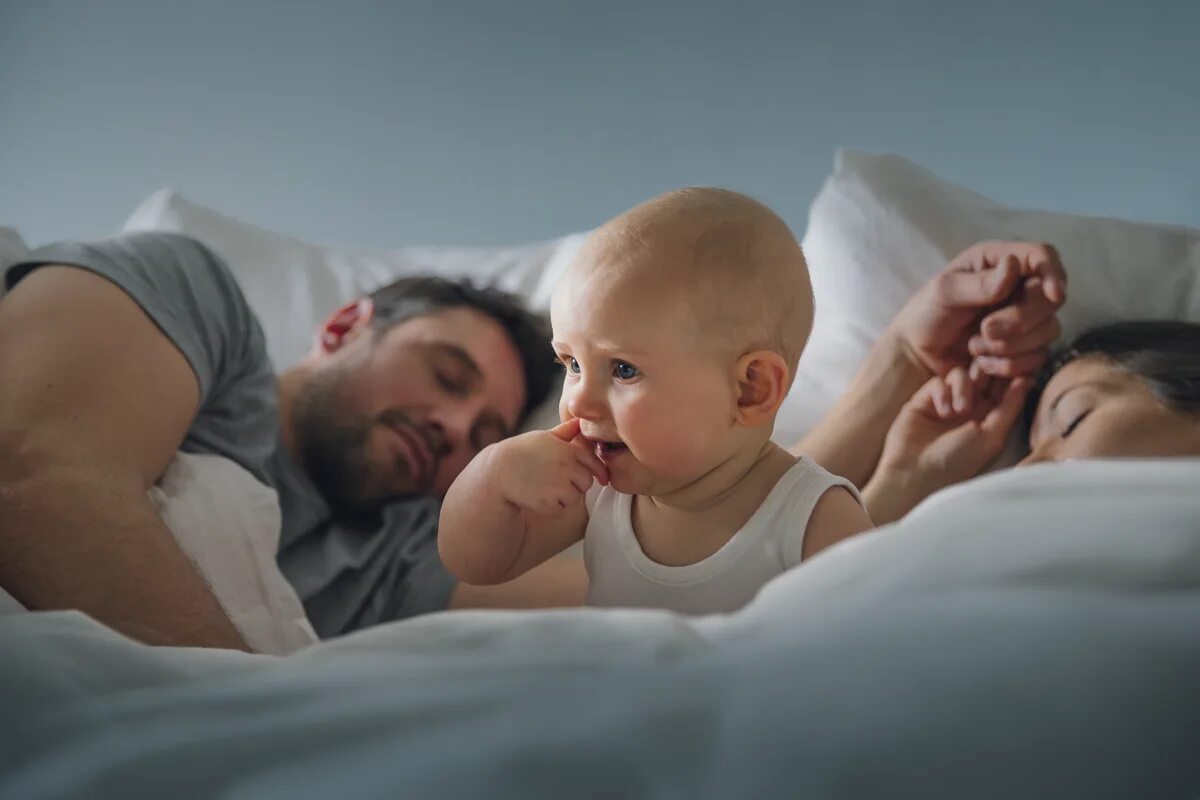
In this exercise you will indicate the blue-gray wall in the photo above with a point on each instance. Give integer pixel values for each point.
(477, 121)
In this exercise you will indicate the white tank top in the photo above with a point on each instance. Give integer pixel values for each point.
(770, 542)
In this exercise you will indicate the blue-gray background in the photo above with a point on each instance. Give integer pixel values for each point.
(469, 121)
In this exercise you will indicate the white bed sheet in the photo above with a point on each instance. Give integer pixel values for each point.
(1033, 633)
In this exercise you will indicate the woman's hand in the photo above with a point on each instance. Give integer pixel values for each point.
(951, 429)
(996, 302)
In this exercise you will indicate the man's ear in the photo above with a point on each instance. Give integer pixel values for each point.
(344, 326)
(762, 383)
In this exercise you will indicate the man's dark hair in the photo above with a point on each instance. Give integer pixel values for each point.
(1163, 354)
(419, 295)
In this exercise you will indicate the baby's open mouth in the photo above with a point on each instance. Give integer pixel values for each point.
(608, 449)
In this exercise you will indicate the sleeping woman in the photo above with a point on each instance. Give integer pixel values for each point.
(937, 397)
(1126, 390)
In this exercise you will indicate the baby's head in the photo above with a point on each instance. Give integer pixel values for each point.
(680, 324)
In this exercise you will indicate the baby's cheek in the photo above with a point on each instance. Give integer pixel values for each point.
(671, 442)
(699, 435)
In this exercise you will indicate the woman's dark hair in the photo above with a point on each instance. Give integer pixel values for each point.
(1164, 355)
(419, 295)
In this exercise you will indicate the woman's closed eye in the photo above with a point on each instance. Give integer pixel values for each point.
(1073, 424)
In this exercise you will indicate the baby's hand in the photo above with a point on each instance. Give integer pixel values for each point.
(545, 472)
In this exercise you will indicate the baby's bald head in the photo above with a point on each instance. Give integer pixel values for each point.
(733, 260)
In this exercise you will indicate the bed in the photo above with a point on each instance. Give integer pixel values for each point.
(1031, 633)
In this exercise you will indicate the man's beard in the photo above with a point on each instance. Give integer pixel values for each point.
(333, 447)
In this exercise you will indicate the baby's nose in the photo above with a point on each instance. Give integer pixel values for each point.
(583, 404)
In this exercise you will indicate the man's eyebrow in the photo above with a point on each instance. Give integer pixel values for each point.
(460, 355)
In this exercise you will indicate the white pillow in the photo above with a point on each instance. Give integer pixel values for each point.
(293, 285)
(882, 226)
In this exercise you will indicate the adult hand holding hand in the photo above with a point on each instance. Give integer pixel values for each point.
(996, 302)
(950, 430)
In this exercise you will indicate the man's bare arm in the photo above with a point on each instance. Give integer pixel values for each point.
(849, 439)
(95, 402)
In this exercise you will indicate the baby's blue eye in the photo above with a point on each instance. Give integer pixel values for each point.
(625, 372)
(572, 365)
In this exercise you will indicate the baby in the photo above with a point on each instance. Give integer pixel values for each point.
(680, 325)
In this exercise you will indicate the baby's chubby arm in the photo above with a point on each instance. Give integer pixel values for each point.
(518, 503)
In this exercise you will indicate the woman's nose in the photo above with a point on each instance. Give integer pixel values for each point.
(1036, 456)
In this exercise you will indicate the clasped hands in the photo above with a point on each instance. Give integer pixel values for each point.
(979, 332)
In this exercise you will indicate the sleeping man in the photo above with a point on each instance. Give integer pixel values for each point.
(116, 355)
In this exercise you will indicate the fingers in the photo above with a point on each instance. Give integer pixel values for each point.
(588, 459)
(976, 285)
(566, 431)
(925, 400)
(1033, 341)
(569, 432)
(1000, 420)
(1025, 313)
(962, 391)
(1033, 259)
(581, 477)
(949, 397)
(939, 395)
(1045, 263)
(554, 498)
(997, 412)
(1016, 339)
(1012, 367)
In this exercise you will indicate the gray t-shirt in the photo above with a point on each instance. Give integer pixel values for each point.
(348, 577)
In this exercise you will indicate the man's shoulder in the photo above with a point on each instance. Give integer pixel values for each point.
(154, 262)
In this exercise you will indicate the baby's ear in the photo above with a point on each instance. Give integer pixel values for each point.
(762, 378)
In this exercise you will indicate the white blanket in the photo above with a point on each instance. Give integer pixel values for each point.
(1033, 633)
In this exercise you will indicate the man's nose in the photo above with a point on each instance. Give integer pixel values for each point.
(436, 432)
(449, 427)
